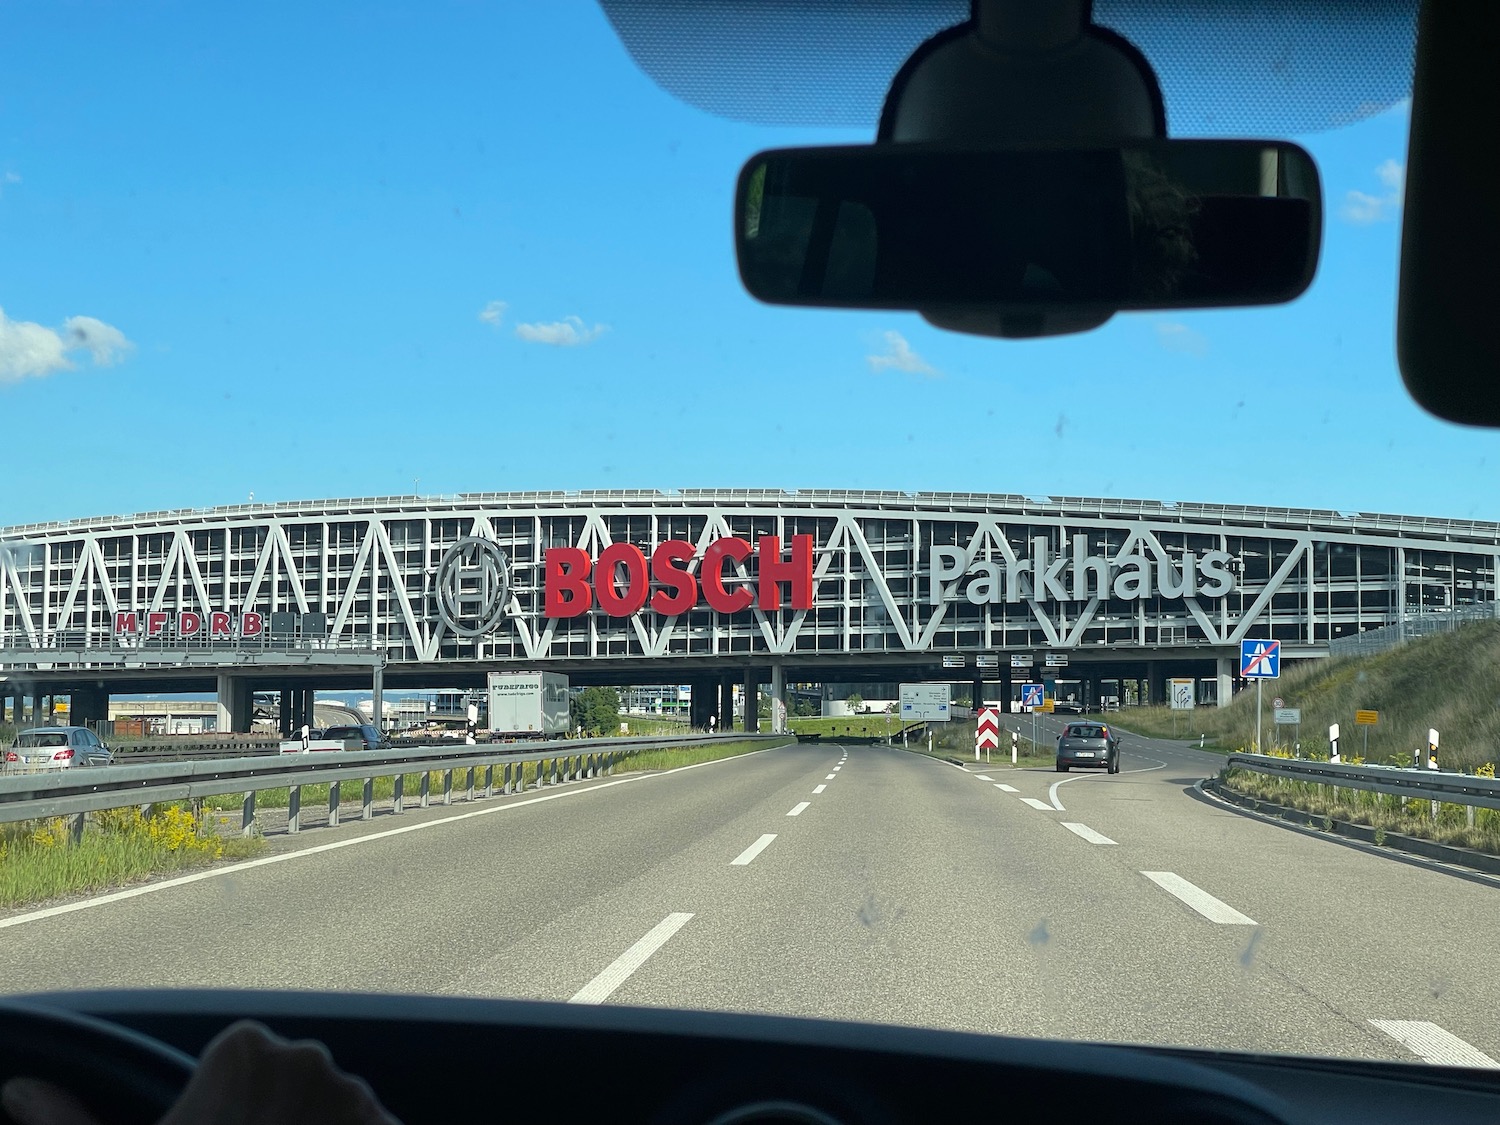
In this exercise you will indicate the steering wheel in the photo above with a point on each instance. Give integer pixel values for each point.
(123, 1077)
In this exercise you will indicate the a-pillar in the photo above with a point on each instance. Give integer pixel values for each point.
(752, 701)
(726, 703)
(778, 698)
(1225, 685)
(234, 705)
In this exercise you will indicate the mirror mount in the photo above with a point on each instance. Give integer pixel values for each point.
(1023, 72)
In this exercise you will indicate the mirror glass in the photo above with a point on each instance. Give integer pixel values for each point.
(1145, 225)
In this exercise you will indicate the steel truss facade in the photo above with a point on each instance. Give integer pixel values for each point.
(371, 566)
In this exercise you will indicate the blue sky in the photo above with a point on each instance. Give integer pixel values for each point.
(266, 251)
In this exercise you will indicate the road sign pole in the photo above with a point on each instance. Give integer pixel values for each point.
(1258, 748)
(1365, 753)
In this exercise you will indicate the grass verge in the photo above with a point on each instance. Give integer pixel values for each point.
(119, 847)
(850, 726)
(1449, 824)
(670, 757)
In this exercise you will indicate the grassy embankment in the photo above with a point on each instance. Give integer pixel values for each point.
(1449, 681)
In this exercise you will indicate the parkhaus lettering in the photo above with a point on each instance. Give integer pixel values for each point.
(1076, 577)
(622, 582)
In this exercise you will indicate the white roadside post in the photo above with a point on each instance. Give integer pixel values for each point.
(1014, 741)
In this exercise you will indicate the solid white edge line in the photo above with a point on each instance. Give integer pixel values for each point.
(819, 788)
(1006, 788)
(744, 858)
(1199, 899)
(1435, 1045)
(1086, 832)
(598, 990)
(799, 807)
(334, 845)
(1034, 803)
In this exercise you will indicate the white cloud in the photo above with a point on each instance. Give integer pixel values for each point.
(1177, 337)
(899, 356)
(493, 313)
(31, 350)
(1363, 208)
(569, 332)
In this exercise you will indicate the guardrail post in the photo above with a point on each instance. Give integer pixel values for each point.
(447, 787)
(75, 827)
(333, 804)
(552, 778)
(505, 780)
(294, 809)
(426, 787)
(398, 793)
(367, 809)
(470, 780)
(489, 780)
(247, 814)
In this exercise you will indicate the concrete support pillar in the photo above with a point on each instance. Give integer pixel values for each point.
(752, 701)
(778, 695)
(1225, 678)
(88, 707)
(234, 705)
(40, 713)
(377, 694)
(978, 689)
(284, 712)
(726, 703)
(1154, 693)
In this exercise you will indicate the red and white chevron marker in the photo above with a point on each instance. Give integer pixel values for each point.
(987, 731)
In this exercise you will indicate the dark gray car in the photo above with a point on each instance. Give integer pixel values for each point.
(1093, 745)
(366, 735)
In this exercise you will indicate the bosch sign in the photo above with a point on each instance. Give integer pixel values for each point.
(622, 581)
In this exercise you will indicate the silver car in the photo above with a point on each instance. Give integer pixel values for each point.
(56, 748)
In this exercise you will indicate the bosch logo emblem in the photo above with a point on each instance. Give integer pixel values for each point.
(473, 586)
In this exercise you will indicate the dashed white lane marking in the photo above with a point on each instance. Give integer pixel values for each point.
(1087, 833)
(1007, 788)
(1034, 803)
(1432, 1044)
(828, 778)
(984, 777)
(837, 768)
(818, 789)
(746, 856)
(798, 807)
(598, 990)
(1199, 899)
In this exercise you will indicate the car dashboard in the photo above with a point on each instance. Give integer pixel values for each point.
(445, 1059)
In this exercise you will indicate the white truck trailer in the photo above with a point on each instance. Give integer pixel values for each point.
(528, 704)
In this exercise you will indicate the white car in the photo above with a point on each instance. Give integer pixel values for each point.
(56, 748)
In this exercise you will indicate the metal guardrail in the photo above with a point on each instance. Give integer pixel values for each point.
(75, 792)
(1425, 785)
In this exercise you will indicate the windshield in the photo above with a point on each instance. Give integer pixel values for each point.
(611, 520)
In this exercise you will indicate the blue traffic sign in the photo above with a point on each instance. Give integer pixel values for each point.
(1260, 660)
(1031, 695)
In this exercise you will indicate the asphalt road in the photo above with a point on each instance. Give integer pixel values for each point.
(868, 884)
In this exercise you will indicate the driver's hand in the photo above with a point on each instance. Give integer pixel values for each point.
(246, 1076)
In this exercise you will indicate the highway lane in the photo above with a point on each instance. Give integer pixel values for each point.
(867, 884)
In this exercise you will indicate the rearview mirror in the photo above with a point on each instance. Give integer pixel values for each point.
(1150, 224)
